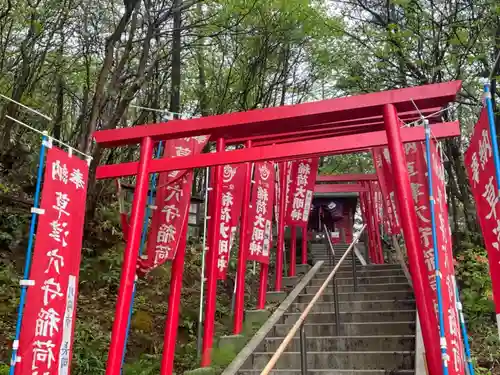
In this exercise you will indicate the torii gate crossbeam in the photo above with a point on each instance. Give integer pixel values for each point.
(288, 151)
(286, 118)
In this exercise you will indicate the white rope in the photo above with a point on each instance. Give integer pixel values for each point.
(452, 106)
(88, 157)
(26, 107)
(170, 114)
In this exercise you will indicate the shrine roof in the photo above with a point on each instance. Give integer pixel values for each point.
(326, 118)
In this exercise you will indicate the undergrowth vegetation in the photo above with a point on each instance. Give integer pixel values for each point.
(99, 280)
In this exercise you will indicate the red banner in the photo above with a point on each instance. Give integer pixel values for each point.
(231, 200)
(481, 170)
(382, 163)
(46, 338)
(303, 177)
(417, 167)
(171, 211)
(261, 213)
(168, 221)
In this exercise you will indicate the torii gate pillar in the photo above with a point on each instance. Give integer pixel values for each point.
(127, 278)
(412, 238)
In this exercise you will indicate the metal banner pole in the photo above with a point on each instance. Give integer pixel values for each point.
(211, 306)
(203, 256)
(239, 295)
(29, 251)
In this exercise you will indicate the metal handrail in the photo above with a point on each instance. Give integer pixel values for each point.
(300, 322)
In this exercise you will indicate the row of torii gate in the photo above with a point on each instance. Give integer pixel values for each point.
(324, 128)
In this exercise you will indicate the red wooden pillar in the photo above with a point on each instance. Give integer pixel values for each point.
(304, 244)
(239, 299)
(409, 224)
(377, 243)
(261, 298)
(208, 334)
(293, 250)
(281, 228)
(369, 226)
(120, 323)
(174, 301)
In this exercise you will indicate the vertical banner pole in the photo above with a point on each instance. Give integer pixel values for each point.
(465, 336)
(212, 264)
(239, 300)
(141, 247)
(29, 251)
(128, 274)
(304, 244)
(174, 301)
(404, 195)
(281, 229)
(203, 263)
(493, 132)
(439, 286)
(293, 250)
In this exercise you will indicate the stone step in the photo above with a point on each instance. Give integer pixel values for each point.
(361, 288)
(336, 359)
(353, 316)
(371, 267)
(329, 372)
(349, 329)
(406, 304)
(395, 295)
(365, 280)
(326, 269)
(360, 272)
(347, 343)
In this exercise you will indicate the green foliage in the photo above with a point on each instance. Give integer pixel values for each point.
(475, 286)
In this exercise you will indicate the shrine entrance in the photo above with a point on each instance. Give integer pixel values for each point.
(300, 132)
(262, 177)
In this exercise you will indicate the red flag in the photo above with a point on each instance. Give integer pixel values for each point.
(415, 155)
(481, 170)
(383, 168)
(231, 200)
(303, 177)
(173, 197)
(46, 338)
(261, 213)
(168, 220)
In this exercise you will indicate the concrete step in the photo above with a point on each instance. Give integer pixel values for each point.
(337, 359)
(406, 304)
(361, 272)
(329, 372)
(349, 329)
(365, 280)
(370, 267)
(354, 316)
(361, 288)
(396, 295)
(347, 343)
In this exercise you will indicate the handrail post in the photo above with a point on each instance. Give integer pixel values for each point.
(354, 276)
(334, 284)
(336, 305)
(303, 350)
(299, 323)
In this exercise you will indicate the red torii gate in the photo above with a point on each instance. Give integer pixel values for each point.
(353, 124)
(340, 188)
(347, 177)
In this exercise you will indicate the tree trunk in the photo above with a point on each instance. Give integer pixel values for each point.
(175, 96)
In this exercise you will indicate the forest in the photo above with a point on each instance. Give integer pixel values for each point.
(101, 65)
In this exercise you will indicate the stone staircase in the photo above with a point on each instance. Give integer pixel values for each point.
(377, 324)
